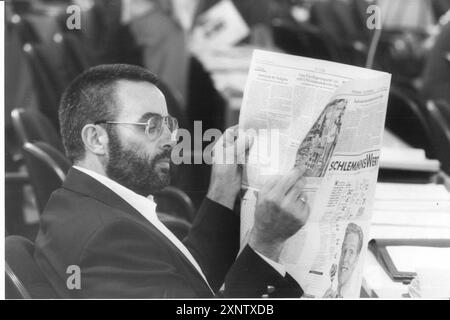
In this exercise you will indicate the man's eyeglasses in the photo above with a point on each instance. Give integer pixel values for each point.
(153, 126)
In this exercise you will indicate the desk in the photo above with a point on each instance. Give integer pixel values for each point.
(400, 163)
(377, 283)
(390, 140)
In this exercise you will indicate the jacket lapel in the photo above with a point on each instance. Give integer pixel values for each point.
(82, 183)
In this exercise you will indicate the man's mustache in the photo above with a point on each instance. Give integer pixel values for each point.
(163, 155)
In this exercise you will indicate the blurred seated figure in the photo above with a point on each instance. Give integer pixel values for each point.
(19, 91)
(107, 38)
(440, 7)
(437, 70)
(161, 29)
(258, 14)
(158, 32)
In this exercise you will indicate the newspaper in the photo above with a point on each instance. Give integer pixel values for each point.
(329, 119)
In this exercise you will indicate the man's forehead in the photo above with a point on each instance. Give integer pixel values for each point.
(139, 99)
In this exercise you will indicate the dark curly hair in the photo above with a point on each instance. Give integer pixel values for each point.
(91, 97)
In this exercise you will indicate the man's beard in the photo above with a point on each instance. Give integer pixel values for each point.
(134, 171)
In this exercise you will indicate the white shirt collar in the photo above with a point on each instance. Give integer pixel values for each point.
(120, 190)
(147, 208)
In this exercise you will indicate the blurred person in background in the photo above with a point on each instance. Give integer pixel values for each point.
(258, 14)
(158, 31)
(19, 92)
(107, 35)
(436, 81)
(440, 7)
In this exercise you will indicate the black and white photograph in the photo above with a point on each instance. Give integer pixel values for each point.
(203, 152)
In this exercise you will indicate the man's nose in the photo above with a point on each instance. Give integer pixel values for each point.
(347, 257)
(168, 138)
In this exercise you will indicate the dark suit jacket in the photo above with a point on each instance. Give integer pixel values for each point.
(122, 255)
(106, 39)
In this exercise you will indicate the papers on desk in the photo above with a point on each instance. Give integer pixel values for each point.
(407, 159)
(431, 266)
(234, 59)
(220, 26)
(423, 218)
(229, 70)
(423, 263)
(431, 284)
(407, 232)
(411, 192)
(411, 211)
(411, 225)
(408, 217)
(412, 258)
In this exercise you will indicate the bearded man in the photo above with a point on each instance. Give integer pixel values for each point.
(118, 134)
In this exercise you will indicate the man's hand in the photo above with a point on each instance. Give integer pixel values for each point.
(281, 210)
(226, 176)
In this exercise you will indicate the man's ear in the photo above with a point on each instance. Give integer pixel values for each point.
(95, 139)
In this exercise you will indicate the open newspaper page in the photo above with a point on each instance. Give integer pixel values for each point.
(329, 119)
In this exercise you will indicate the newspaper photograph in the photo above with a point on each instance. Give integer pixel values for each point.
(316, 115)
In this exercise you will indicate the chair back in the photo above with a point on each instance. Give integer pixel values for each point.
(31, 126)
(444, 108)
(175, 210)
(288, 39)
(439, 7)
(60, 158)
(47, 169)
(25, 32)
(53, 68)
(105, 39)
(205, 103)
(440, 129)
(20, 6)
(324, 16)
(23, 277)
(176, 203)
(41, 26)
(345, 17)
(305, 40)
(179, 227)
(359, 11)
(407, 119)
(73, 45)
